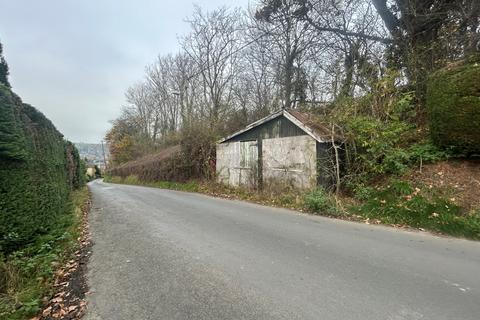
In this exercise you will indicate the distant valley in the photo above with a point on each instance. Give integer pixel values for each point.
(93, 153)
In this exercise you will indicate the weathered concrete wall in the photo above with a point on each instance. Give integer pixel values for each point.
(291, 161)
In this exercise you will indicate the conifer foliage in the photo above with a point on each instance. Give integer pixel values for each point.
(3, 68)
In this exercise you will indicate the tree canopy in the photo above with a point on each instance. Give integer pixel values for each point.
(3, 68)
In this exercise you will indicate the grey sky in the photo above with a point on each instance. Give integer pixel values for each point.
(74, 59)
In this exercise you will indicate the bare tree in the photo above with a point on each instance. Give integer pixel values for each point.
(290, 40)
(185, 83)
(353, 33)
(259, 73)
(163, 90)
(141, 110)
(213, 46)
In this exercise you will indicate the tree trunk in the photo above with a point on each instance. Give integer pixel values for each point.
(288, 83)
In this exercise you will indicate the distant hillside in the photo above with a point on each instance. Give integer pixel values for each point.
(92, 152)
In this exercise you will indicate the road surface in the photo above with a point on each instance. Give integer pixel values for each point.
(162, 254)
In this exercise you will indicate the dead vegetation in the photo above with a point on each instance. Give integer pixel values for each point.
(163, 165)
(456, 180)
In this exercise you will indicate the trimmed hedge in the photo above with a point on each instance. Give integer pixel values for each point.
(453, 102)
(11, 136)
(38, 169)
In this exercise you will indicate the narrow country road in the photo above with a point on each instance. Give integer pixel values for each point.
(162, 254)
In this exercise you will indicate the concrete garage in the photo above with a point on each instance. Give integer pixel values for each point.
(287, 148)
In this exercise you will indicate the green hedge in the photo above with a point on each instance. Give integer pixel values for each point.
(38, 169)
(453, 101)
(11, 136)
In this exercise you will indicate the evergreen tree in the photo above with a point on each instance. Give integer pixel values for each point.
(3, 68)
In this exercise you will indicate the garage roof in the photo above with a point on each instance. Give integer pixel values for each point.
(304, 121)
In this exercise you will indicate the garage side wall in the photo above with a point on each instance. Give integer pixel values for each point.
(290, 161)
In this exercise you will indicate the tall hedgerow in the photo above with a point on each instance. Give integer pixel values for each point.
(453, 101)
(11, 136)
(38, 169)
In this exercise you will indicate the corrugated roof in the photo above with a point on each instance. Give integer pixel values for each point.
(309, 123)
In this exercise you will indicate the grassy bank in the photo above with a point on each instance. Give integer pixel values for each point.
(27, 275)
(396, 203)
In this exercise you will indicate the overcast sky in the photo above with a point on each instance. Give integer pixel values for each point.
(74, 59)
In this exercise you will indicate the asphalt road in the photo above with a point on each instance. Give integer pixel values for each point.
(162, 254)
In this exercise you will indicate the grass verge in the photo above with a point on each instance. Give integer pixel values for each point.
(27, 275)
(192, 186)
(397, 204)
(421, 207)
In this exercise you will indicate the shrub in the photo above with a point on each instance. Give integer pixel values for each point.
(363, 192)
(453, 103)
(320, 201)
(385, 147)
(426, 152)
(378, 145)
